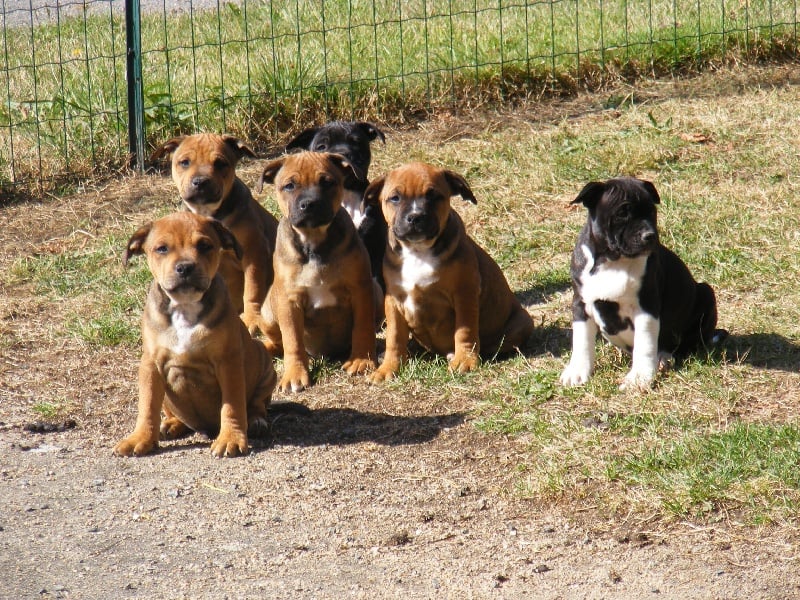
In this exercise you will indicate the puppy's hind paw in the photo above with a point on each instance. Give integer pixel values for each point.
(172, 428)
(259, 428)
(635, 381)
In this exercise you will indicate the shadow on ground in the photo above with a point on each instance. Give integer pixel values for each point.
(340, 426)
(765, 351)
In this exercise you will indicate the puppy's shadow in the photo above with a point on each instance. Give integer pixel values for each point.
(765, 351)
(342, 426)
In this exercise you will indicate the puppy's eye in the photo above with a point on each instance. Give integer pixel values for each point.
(204, 246)
(624, 213)
(321, 147)
(288, 186)
(184, 162)
(432, 195)
(326, 182)
(220, 165)
(162, 249)
(393, 199)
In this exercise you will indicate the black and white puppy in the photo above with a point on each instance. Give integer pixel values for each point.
(637, 293)
(352, 139)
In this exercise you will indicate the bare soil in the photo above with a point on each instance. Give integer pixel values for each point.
(376, 494)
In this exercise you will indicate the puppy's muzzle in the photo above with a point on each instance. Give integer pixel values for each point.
(202, 190)
(310, 210)
(634, 243)
(416, 226)
(186, 276)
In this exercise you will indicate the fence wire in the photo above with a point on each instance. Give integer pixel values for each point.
(259, 68)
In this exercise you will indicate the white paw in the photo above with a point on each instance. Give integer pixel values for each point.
(575, 374)
(638, 380)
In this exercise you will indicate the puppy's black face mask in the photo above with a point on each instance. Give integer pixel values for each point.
(623, 219)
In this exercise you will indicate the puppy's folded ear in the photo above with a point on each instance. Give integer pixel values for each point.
(303, 139)
(459, 186)
(346, 167)
(372, 195)
(590, 195)
(240, 149)
(227, 239)
(270, 172)
(136, 243)
(168, 148)
(371, 131)
(651, 189)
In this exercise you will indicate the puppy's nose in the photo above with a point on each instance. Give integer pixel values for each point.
(184, 268)
(199, 182)
(414, 218)
(306, 203)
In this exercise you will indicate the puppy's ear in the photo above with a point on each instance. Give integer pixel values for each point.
(240, 149)
(227, 239)
(371, 131)
(372, 195)
(346, 167)
(651, 189)
(459, 186)
(270, 172)
(303, 139)
(590, 195)
(136, 243)
(168, 148)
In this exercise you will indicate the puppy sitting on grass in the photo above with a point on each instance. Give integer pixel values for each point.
(323, 301)
(199, 363)
(638, 294)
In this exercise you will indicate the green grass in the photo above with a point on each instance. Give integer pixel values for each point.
(108, 298)
(265, 67)
(715, 439)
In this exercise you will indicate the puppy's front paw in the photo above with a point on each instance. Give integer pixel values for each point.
(356, 366)
(463, 362)
(172, 428)
(229, 444)
(383, 373)
(638, 380)
(295, 379)
(575, 374)
(135, 446)
(252, 320)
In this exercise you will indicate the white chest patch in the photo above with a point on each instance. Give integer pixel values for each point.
(617, 281)
(351, 202)
(318, 291)
(419, 271)
(184, 325)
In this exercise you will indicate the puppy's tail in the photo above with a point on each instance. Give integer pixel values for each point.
(703, 332)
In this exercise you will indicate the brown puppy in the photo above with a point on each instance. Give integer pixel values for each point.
(199, 363)
(440, 285)
(203, 168)
(323, 298)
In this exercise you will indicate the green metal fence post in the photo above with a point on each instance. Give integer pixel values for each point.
(133, 34)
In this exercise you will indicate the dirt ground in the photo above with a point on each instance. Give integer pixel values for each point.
(375, 495)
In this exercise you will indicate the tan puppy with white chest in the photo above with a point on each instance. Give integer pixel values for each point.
(441, 286)
(323, 298)
(199, 362)
(204, 169)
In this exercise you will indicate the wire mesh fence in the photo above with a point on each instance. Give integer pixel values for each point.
(258, 68)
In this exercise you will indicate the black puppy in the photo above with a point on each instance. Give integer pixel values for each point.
(351, 139)
(638, 293)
